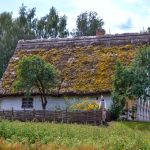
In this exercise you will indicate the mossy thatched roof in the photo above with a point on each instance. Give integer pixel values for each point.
(85, 69)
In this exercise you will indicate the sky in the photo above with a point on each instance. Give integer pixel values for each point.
(120, 16)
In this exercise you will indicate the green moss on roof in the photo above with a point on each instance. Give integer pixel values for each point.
(84, 69)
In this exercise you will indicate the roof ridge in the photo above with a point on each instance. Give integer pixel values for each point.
(106, 40)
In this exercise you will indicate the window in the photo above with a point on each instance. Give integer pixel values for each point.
(27, 102)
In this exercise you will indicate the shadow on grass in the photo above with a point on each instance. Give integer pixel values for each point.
(142, 126)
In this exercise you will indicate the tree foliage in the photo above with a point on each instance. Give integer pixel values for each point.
(121, 88)
(8, 39)
(34, 73)
(132, 81)
(26, 23)
(141, 71)
(87, 24)
(52, 25)
(63, 32)
(12, 30)
(27, 26)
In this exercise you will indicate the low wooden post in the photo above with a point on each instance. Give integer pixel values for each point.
(44, 114)
(24, 114)
(86, 117)
(95, 117)
(12, 114)
(66, 116)
(55, 116)
(33, 115)
(3, 114)
(100, 116)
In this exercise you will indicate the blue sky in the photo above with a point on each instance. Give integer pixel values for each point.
(120, 16)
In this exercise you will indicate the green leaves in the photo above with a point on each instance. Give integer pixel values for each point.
(26, 26)
(52, 25)
(34, 73)
(119, 89)
(141, 70)
(11, 30)
(88, 23)
(132, 81)
(8, 40)
(63, 32)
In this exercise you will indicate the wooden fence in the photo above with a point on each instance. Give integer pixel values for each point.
(143, 110)
(89, 117)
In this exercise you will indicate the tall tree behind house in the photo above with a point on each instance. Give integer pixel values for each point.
(27, 26)
(87, 24)
(52, 25)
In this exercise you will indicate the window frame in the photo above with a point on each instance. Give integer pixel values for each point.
(27, 103)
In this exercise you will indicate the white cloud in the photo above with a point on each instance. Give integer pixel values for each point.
(131, 1)
(114, 12)
(111, 13)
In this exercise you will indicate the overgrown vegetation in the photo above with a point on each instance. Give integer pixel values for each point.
(119, 135)
(122, 80)
(131, 81)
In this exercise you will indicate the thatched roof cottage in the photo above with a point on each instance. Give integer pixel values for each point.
(86, 64)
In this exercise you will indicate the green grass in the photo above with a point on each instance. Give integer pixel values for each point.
(117, 136)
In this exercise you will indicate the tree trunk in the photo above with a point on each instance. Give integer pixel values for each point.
(44, 102)
(44, 106)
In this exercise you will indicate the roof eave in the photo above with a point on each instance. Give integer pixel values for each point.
(58, 95)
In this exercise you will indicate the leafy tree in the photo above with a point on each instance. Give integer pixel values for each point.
(52, 25)
(122, 83)
(12, 30)
(41, 28)
(8, 39)
(26, 26)
(34, 73)
(141, 72)
(131, 81)
(63, 32)
(87, 24)
(26, 23)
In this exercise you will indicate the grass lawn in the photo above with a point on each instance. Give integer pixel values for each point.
(117, 136)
